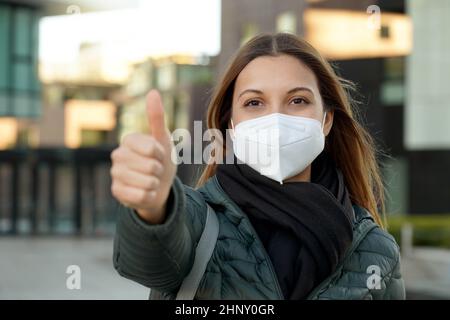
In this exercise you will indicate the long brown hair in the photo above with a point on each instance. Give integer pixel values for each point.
(350, 145)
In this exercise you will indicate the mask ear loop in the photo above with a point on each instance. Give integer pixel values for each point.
(323, 121)
(232, 126)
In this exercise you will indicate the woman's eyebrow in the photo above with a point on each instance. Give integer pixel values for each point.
(289, 92)
(250, 90)
(300, 89)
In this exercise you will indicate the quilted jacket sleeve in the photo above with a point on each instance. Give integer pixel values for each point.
(395, 286)
(160, 256)
(355, 280)
(388, 252)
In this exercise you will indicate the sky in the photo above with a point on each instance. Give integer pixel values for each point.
(155, 28)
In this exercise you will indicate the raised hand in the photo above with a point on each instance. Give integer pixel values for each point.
(142, 170)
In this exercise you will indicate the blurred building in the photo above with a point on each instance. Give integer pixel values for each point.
(58, 127)
(21, 105)
(400, 74)
(80, 102)
(42, 182)
(19, 84)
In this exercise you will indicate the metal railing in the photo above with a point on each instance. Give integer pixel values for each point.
(61, 191)
(44, 189)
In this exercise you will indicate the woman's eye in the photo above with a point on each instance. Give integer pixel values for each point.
(252, 103)
(299, 101)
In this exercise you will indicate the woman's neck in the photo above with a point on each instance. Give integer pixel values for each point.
(304, 176)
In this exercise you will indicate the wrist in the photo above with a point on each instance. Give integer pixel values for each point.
(153, 216)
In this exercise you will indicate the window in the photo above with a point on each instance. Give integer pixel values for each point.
(4, 44)
(22, 27)
(344, 34)
(19, 84)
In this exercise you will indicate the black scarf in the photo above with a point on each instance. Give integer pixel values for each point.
(306, 227)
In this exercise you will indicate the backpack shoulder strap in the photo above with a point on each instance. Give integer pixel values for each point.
(203, 254)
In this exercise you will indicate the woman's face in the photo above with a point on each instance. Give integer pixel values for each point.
(279, 84)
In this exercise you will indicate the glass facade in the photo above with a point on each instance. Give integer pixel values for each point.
(19, 83)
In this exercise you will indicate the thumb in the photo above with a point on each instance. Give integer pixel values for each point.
(155, 116)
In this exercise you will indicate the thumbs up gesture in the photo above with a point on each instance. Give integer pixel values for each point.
(142, 170)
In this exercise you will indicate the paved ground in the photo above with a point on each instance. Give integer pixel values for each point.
(427, 273)
(35, 268)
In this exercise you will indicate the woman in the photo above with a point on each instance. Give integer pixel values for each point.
(299, 218)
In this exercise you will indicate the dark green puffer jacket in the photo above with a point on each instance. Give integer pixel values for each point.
(160, 256)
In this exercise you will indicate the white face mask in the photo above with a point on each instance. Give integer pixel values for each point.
(277, 145)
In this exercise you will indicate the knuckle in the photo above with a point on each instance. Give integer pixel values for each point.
(153, 148)
(151, 167)
(141, 196)
(162, 152)
(115, 171)
(115, 190)
(114, 154)
(155, 167)
(118, 154)
(159, 168)
(129, 138)
(150, 147)
(149, 184)
(158, 147)
(112, 171)
(152, 183)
